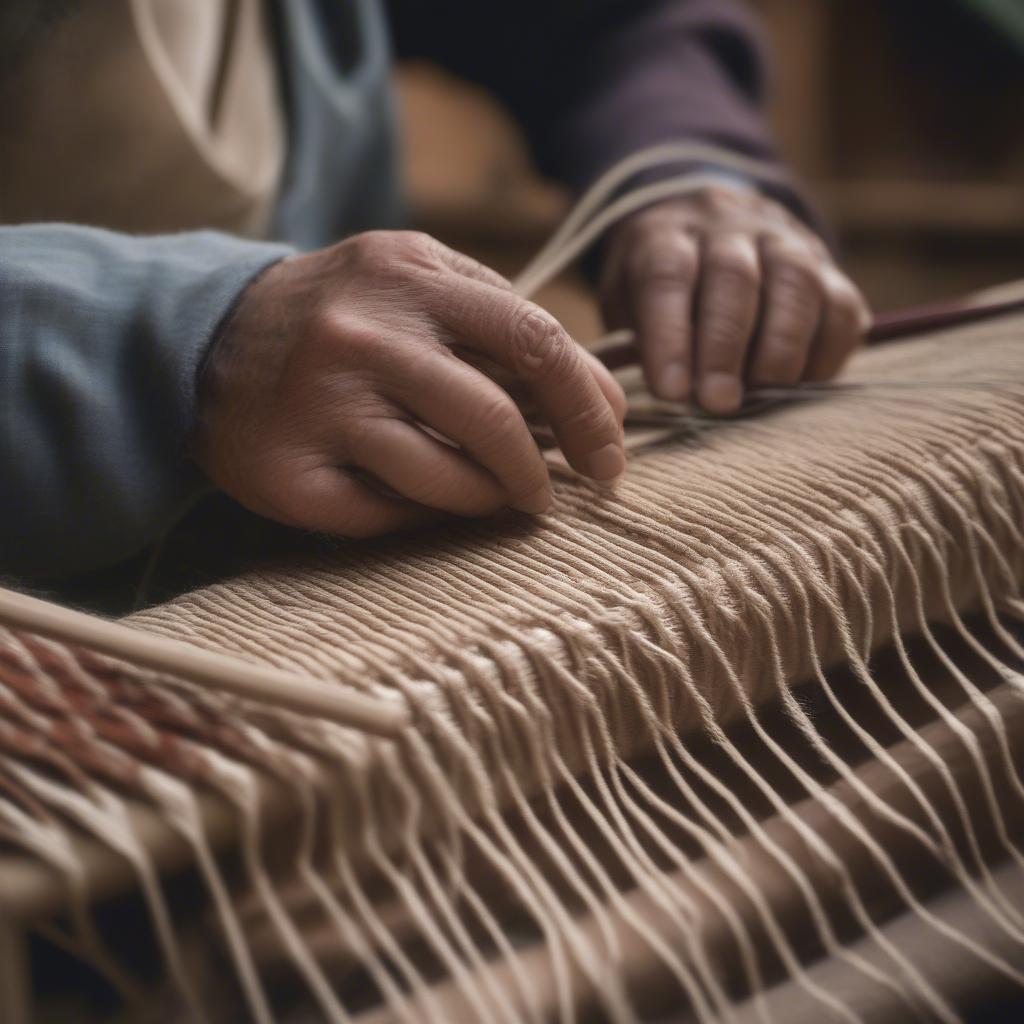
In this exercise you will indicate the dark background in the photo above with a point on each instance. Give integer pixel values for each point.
(905, 118)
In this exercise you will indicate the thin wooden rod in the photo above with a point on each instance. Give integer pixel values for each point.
(261, 683)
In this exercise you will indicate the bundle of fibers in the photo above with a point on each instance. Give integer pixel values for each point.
(613, 802)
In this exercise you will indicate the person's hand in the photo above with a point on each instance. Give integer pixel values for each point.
(342, 397)
(725, 288)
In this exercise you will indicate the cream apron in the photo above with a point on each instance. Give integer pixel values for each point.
(146, 116)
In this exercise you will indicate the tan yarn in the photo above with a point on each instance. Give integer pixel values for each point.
(727, 567)
(613, 799)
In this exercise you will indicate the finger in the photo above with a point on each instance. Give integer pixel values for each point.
(793, 307)
(520, 393)
(611, 388)
(466, 266)
(331, 500)
(424, 470)
(465, 406)
(661, 271)
(530, 342)
(844, 324)
(729, 296)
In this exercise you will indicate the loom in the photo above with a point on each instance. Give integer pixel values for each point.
(740, 741)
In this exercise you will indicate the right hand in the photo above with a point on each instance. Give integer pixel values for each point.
(322, 396)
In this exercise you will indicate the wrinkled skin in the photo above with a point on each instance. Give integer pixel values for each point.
(314, 401)
(726, 288)
(365, 388)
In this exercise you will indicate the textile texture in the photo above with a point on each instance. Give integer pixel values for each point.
(564, 821)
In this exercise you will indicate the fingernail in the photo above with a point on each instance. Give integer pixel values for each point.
(674, 382)
(536, 503)
(721, 392)
(605, 465)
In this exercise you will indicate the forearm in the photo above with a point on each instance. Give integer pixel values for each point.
(101, 337)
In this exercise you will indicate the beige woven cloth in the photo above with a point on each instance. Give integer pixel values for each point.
(614, 633)
(727, 567)
(715, 561)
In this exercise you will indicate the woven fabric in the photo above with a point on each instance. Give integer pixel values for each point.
(717, 560)
(732, 563)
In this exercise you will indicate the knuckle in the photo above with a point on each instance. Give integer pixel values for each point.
(346, 334)
(369, 242)
(418, 249)
(540, 347)
(733, 266)
(590, 421)
(665, 262)
(383, 253)
(797, 271)
(325, 324)
(721, 200)
(496, 420)
(405, 243)
(282, 494)
(418, 241)
(461, 263)
(373, 252)
(659, 219)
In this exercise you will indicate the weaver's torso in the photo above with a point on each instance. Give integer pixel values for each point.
(152, 116)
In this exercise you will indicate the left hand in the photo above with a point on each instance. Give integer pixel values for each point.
(724, 288)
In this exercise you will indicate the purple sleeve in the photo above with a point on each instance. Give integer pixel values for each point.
(591, 81)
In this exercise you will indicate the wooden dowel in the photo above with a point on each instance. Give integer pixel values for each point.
(267, 685)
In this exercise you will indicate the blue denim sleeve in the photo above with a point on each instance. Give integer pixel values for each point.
(101, 340)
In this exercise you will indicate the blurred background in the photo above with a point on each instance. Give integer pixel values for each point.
(905, 118)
